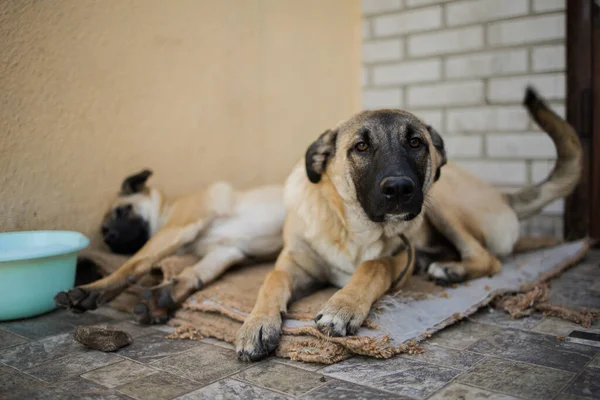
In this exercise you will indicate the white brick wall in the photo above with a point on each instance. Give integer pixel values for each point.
(446, 94)
(418, 3)
(382, 98)
(486, 119)
(407, 72)
(548, 5)
(477, 11)
(410, 21)
(446, 41)
(502, 90)
(432, 117)
(467, 146)
(486, 64)
(548, 58)
(462, 66)
(382, 50)
(374, 7)
(527, 30)
(533, 145)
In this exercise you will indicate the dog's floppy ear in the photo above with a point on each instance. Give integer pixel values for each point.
(135, 183)
(438, 144)
(318, 153)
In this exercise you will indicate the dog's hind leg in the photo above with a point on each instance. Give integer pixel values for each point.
(162, 244)
(475, 260)
(159, 301)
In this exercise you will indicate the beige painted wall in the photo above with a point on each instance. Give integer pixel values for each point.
(197, 90)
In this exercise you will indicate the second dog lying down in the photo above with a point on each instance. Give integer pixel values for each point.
(221, 225)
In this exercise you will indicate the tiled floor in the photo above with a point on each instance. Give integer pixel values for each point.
(489, 356)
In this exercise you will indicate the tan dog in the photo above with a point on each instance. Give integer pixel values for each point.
(221, 225)
(367, 183)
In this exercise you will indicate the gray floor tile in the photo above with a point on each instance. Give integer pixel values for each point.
(492, 316)
(89, 396)
(88, 318)
(565, 396)
(560, 327)
(166, 329)
(349, 391)
(536, 349)
(461, 335)
(396, 375)
(154, 347)
(29, 355)
(458, 359)
(73, 365)
(299, 364)
(8, 339)
(134, 329)
(595, 362)
(458, 391)
(48, 394)
(283, 378)
(516, 378)
(220, 343)
(53, 323)
(78, 385)
(587, 384)
(12, 382)
(72, 389)
(118, 374)
(112, 313)
(229, 389)
(203, 364)
(578, 287)
(157, 387)
(417, 381)
(36, 328)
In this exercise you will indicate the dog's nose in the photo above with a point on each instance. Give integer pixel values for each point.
(397, 187)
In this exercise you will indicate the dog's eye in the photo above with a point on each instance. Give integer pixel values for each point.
(415, 142)
(361, 146)
(123, 211)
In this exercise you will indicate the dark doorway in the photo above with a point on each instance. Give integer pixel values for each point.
(582, 208)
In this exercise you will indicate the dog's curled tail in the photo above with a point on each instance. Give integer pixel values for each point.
(567, 170)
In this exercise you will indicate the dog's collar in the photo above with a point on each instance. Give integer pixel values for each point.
(409, 262)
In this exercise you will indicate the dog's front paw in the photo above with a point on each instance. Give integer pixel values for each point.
(80, 300)
(446, 273)
(342, 315)
(258, 336)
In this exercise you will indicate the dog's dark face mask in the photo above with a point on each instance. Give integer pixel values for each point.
(391, 157)
(125, 231)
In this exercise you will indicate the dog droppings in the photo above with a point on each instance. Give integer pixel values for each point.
(444, 295)
(102, 338)
(487, 287)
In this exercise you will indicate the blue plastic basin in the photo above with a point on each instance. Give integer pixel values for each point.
(34, 266)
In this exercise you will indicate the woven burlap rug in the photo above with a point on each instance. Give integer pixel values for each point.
(397, 323)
